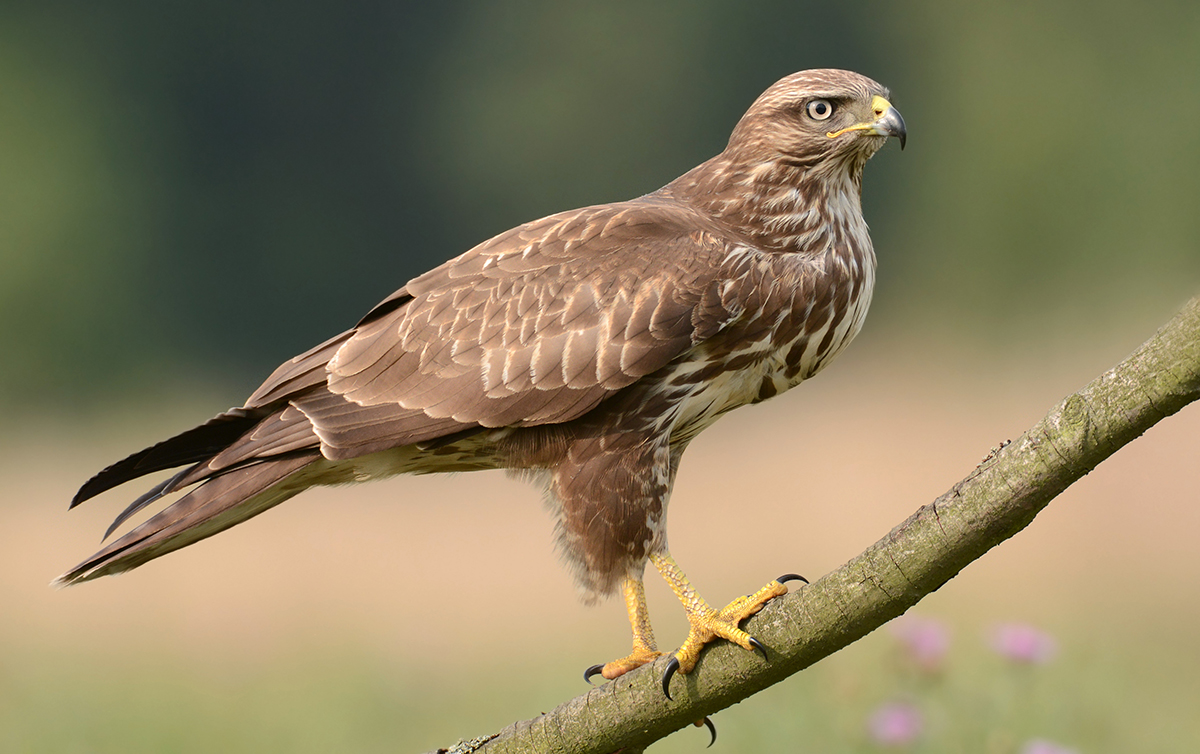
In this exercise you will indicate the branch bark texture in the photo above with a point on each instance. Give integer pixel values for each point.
(996, 500)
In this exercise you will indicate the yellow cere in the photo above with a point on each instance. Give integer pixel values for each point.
(879, 106)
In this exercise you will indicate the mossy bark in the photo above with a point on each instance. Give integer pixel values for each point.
(996, 500)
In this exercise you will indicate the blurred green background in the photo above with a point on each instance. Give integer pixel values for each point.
(196, 191)
(192, 192)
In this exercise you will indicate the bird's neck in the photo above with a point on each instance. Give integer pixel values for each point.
(779, 206)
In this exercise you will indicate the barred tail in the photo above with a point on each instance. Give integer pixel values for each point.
(219, 503)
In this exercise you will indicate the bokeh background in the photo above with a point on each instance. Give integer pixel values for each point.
(192, 192)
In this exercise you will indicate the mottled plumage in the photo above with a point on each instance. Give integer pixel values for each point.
(584, 350)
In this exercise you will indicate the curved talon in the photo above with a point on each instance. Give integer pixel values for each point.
(708, 723)
(593, 670)
(672, 666)
(791, 577)
(758, 645)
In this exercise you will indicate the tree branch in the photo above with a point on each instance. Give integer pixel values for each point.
(996, 500)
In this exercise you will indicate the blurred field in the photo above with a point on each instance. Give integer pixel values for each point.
(402, 615)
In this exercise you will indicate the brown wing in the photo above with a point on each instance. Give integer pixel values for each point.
(535, 326)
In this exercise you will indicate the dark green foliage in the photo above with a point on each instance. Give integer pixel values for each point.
(197, 191)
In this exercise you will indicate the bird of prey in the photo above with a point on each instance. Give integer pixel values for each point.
(583, 351)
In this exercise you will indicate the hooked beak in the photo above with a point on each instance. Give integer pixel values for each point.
(887, 122)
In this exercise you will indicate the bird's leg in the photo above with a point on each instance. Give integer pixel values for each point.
(706, 623)
(644, 647)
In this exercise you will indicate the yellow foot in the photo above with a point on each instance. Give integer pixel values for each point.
(610, 670)
(644, 648)
(708, 624)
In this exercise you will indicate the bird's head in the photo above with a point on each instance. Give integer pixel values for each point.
(815, 120)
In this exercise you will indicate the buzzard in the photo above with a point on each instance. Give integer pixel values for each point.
(583, 351)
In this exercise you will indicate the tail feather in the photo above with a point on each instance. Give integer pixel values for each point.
(217, 504)
(197, 444)
(156, 492)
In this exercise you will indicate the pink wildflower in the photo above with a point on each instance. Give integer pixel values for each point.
(1021, 642)
(1039, 746)
(926, 640)
(895, 724)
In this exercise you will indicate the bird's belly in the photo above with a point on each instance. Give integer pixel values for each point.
(710, 400)
(780, 367)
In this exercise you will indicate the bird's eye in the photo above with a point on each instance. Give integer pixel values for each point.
(820, 109)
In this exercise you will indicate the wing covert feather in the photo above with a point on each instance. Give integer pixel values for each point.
(614, 292)
(538, 325)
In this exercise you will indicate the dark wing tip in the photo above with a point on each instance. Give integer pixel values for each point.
(197, 444)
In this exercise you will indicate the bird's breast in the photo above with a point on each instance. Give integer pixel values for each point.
(800, 315)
